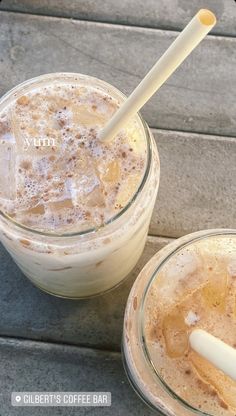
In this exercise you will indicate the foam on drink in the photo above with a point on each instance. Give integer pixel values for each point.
(55, 175)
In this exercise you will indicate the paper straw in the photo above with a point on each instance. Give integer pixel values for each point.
(183, 45)
(217, 352)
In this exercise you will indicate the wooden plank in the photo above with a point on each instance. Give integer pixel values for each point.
(199, 97)
(169, 14)
(29, 313)
(36, 366)
(198, 183)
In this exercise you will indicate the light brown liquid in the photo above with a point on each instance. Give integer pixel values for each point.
(55, 173)
(196, 288)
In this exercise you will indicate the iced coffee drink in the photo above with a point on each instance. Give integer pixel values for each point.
(74, 210)
(189, 284)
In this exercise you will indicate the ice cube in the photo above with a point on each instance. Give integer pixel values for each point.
(7, 171)
(192, 318)
(215, 292)
(85, 185)
(183, 265)
(60, 205)
(95, 198)
(178, 320)
(37, 210)
(86, 116)
(127, 190)
(132, 133)
(112, 172)
(87, 190)
(103, 104)
(181, 276)
(174, 330)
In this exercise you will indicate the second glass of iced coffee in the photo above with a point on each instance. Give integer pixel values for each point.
(188, 286)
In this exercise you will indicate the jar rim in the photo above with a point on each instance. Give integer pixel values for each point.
(63, 75)
(183, 242)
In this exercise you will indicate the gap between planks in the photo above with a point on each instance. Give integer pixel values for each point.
(110, 23)
(16, 341)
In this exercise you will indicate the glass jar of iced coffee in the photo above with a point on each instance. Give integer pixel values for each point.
(74, 211)
(189, 284)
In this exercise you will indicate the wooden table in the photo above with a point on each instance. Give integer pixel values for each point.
(60, 345)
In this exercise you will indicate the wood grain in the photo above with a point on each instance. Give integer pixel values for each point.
(37, 366)
(197, 185)
(198, 97)
(168, 14)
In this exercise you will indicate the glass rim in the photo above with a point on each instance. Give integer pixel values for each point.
(134, 384)
(183, 242)
(146, 132)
